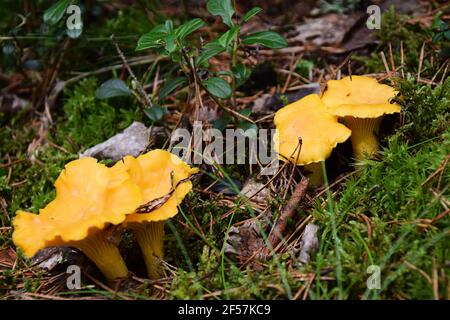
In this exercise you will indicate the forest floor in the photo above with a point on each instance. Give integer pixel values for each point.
(392, 211)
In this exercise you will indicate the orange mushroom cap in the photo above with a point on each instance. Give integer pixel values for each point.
(88, 196)
(157, 173)
(308, 119)
(359, 97)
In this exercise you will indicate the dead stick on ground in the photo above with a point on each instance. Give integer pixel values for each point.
(278, 229)
(139, 86)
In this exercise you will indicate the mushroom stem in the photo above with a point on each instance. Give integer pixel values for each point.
(150, 236)
(104, 254)
(315, 174)
(364, 135)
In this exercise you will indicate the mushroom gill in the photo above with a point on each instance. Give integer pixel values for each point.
(361, 102)
(164, 181)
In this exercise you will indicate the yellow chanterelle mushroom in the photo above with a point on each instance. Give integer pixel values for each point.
(361, 102)
(320, 132)
(89, 197)
(163, 180)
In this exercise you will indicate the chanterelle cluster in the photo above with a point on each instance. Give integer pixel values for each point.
(91, 196)
(319, 130)
(359, 102)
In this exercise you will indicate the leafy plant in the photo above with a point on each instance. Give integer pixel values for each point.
(53, 17)
(171, 41)
(112, 88)
(441, 35)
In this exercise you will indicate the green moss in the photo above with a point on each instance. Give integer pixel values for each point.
(395, 29)
(425, 110)
(394, 195)
(84, 122)
(133, 21)
(88, 121)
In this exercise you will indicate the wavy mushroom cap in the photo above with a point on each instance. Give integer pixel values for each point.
(308, 119)
(157, 173)
(359, 97)
(88, 196)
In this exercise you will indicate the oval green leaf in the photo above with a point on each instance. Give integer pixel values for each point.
(268, 39)
(209, 50)
(218, 87)
(155, 113)
(55, 13)
(112, 88)
(153, 39)
(189, 27)
(253, 12)
(222, 8)
(170, 86)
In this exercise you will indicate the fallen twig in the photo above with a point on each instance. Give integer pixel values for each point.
(139, 86)
(277, 231)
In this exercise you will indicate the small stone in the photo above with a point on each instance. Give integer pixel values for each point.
(309, 243)
(132, 141)
(251, 187)
(50, 257)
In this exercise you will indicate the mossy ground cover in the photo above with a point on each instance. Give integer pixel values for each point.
(391, 211)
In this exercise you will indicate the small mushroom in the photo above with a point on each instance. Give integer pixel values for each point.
(164, 181)
(89, 197)
(320, 132)
(361, 102)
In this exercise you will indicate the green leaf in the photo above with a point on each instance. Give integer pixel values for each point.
(171, 85)
(226, 73)
(169, 26)
(218, 87)
(209, 50)
(153, 39)
(443, 26)
(253, 12)
(189, 27)
(155, 113)
(171, 45)
(250, 129)
(222, 8)
(227, 38)
(445, 52)
(447, 35)
(269, 39)
(241, 74)
(112, 88)
(438, 37)
(55, 13)
(245, 112)
(304, 67)
(437, 22)
(222, 123)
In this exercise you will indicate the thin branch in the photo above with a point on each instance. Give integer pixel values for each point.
(287, 213)
(139, 86)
